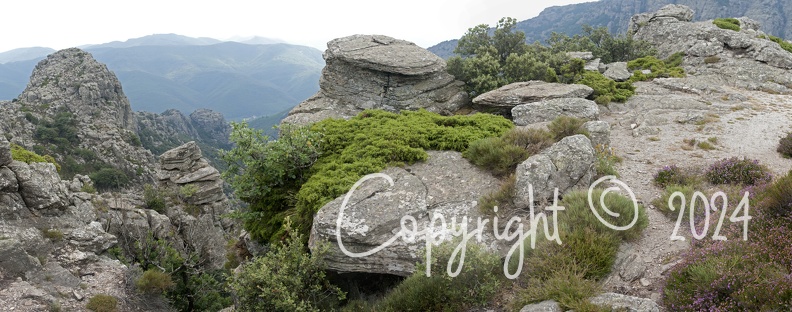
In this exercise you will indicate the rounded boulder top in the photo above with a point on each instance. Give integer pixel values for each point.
(383, 53)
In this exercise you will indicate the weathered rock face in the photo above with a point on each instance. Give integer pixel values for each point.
(526, 114)
(373, 71)
(445, 184)
(740, 59)
(599, 132)
(544, 306)
(565, 165)
(162, 132)
(71, 78)
(212, 127)
(673, 32)
(40, 186)
(72, 86)
(621, 302)
(5, 152)
(517, 93)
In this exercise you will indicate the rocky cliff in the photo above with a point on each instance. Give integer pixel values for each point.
(54, 238)
(373, 71)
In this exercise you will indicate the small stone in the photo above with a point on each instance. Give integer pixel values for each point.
(77, 295)
(645, 282)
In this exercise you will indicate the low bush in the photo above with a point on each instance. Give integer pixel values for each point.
(727, 23)
(662, 202)
(785, 145)
(153, 198)
(738, 171)
(606, 160)
(659, 68)
(501, 155)
(287, 278)
(566, 285)
(19, 153)
(578, 214)
(786, 45)
(479, 280)
(673, 175)
(154, 281)
(53, 234)
(503, 198)
(605, 89)
(740, 275)
(102, 303)
(564, 126)
(711, 60)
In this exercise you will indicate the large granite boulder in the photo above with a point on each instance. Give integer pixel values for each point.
(518, 93)
(618, 71)
(547, 110)
(566, 165)
(40, 185)
(184, 166)
(379, 72)
(445, 184)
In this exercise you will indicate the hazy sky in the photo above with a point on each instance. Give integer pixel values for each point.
(61, 24)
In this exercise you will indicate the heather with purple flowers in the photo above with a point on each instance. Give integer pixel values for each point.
(737, 275)
(738, 171)
(671, 175)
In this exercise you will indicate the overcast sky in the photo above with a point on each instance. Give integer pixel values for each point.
(61, 24)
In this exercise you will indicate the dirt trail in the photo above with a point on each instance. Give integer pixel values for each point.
(648, 133)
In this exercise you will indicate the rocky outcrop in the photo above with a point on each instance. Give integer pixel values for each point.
(445, 184)
(518, 93)
(70, 87)
(741, 59)
(184, 166)
(161, 132)
(599, 132)
(547, 110)
(566, 165)
(544, 306)
(373, 71)
(619, 302)
(212, 127)
(40, 186)
(671, 31)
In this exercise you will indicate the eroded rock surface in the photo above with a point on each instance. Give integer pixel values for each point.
(374, 71)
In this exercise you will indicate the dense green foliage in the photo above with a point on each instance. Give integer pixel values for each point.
(154, 281)
(501, 155)
(564, 126)
(602, 44)
(306, 168)
(287, 278)
(109, 178)
(727, 23)
(479, 280)
(486, 62)
(660, 68)
(19, 153)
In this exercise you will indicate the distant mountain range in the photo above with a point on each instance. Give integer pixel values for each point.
(774, 15)
(255, 77)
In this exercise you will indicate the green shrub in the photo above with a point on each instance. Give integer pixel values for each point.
(503, 197)
(658, 68)
(783, 43)
(662, 202)
(479, 280)
(188, 191)
(785, 146)
(501, 155)
(293, 180)
(109, 178)
(606, 160)
(153, 199)
(727, 23)
(286, 278)
(738, 171)
(605, 89)
(88, 188)
(53, 234)
(564, 126)
(566, 285)
(673, 175)
(19, 153)
(102, 303)
(777, 198)
(154, 281)
(578, 214)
